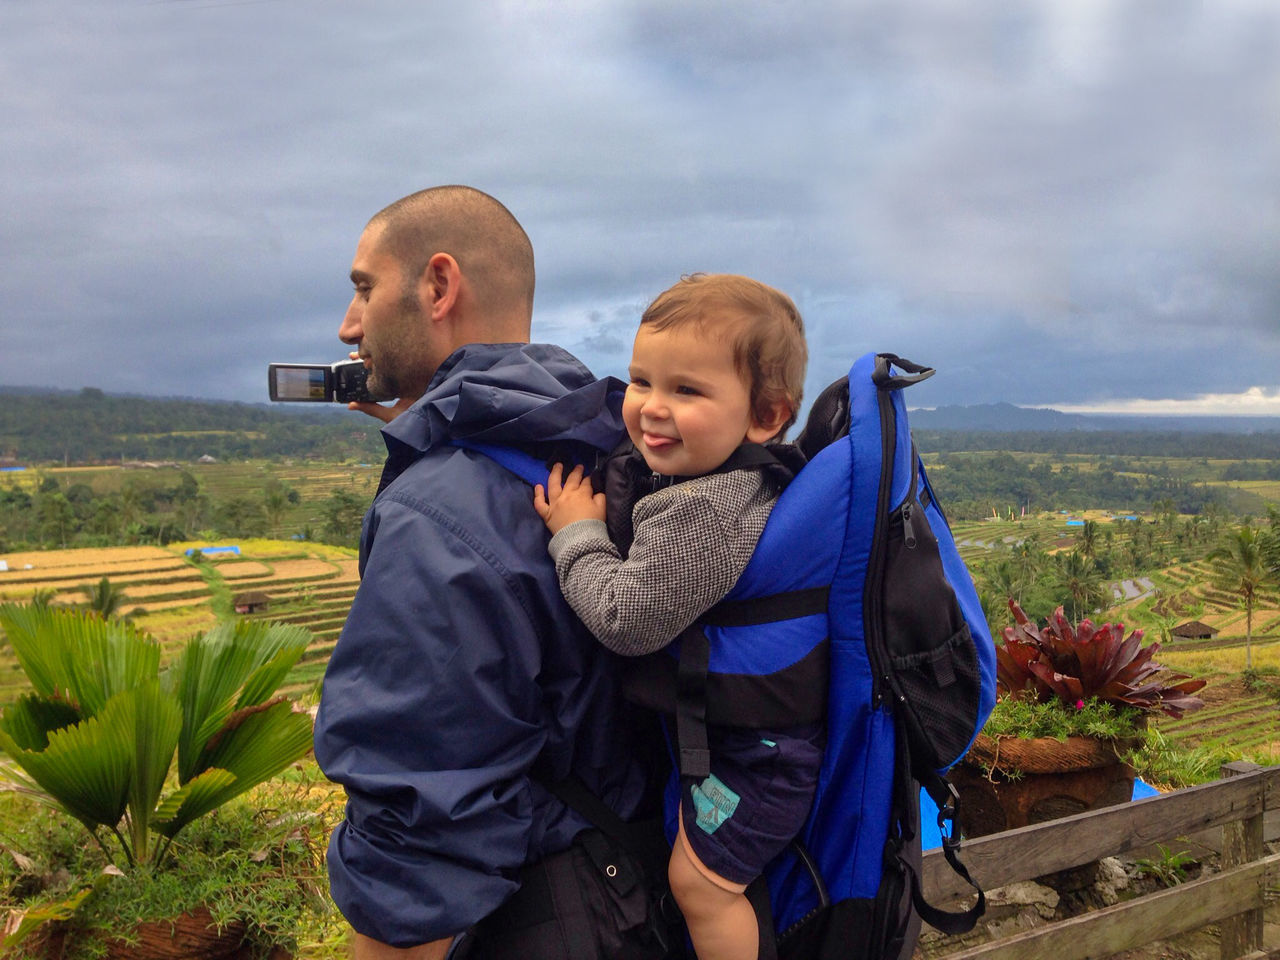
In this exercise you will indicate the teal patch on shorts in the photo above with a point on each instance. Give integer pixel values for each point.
(714, 803)
(770, 743)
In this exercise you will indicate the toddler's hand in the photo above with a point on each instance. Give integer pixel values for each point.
(567, 500)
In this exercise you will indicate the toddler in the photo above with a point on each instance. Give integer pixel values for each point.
(718, 362)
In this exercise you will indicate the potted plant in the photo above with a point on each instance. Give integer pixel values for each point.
(136, 754)
(1071, 700)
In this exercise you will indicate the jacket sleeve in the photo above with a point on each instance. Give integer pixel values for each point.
(430, 720)
(682, 562)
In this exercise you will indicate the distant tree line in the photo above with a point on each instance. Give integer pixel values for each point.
(157, 509)
(92, 427)
(1216, 446)
(971, 485)
(1249, 470)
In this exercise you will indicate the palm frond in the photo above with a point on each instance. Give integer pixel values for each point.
(231, 667)
(88, 767)
(193, 799)
(30, 721)
(76, 656)
(256, 745)
(158, 722)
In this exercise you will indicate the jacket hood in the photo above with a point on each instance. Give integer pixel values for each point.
(528, 395)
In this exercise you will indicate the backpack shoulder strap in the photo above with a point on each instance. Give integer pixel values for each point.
(524, 465)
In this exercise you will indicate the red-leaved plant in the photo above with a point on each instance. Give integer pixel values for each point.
(1087, 661)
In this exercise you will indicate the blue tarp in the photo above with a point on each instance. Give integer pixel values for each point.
(931, 838)
(209, 550)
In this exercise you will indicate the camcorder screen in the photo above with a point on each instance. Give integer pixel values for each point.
(301, 383)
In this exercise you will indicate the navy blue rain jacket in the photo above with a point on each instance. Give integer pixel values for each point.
(460, 664)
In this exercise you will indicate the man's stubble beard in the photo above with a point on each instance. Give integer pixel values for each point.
(387, 377)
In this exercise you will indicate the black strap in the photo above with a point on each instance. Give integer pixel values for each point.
(691, 704)
(626, 478)
(573, 793)
(776, 606)
(884, 377)
(944, 795)
(757, 894)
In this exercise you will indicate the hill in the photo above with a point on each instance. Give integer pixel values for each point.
(94, 427)
(1007, 418)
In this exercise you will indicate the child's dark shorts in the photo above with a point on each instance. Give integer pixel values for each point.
(755, 801)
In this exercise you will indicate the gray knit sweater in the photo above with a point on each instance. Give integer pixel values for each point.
(692, 542)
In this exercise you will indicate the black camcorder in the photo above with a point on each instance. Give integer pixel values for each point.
(339, 382)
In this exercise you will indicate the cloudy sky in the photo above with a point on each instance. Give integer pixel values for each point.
(1055, 202)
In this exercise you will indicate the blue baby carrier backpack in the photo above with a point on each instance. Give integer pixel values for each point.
(855, 608)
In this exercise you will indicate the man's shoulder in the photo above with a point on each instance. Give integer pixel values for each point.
(453, 480)
(471, 497)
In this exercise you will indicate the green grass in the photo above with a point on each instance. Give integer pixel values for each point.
(1026, 718)
(259, 861)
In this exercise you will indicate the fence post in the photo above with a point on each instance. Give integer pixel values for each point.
(1241, 843)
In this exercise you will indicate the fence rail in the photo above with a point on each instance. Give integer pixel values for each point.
(1235, 896)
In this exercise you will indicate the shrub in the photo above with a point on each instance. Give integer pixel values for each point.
(101, 729)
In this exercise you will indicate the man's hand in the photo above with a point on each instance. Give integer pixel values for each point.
(565, 501)
(378, 411)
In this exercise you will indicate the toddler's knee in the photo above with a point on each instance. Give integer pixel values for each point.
(684, 878)
(697, 895)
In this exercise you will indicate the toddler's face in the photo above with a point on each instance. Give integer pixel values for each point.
(687, 408)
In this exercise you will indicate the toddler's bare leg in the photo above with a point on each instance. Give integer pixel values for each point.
(721, 921)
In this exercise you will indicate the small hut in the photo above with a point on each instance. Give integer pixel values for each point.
(254, 601)
(1193, 630)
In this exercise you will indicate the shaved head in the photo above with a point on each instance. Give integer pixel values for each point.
(490, 246)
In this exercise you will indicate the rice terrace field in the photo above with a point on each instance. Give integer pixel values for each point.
(173, 596)
(1237, 718)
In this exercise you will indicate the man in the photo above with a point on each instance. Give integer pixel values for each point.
(460, 667)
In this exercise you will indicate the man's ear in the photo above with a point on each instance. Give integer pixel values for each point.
(760, 431)
(440, 285)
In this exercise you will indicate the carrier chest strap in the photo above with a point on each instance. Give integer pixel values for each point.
(694, 664)
(789, 605)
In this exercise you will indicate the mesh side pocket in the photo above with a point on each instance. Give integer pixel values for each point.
(934, 666)
(940, 697)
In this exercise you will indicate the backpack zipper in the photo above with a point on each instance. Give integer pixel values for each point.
(908, 505)
(872, 597)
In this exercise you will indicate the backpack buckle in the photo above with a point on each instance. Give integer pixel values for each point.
(947, 814)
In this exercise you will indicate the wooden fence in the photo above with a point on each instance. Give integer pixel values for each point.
(1233, 897)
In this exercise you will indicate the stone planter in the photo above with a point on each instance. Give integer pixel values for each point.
(1012, 782)
(191, 936)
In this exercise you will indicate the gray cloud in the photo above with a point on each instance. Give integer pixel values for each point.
(1064, 202)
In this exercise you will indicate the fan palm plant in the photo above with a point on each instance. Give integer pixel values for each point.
(102, 725)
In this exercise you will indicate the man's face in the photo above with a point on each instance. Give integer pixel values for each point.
(387, 323)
